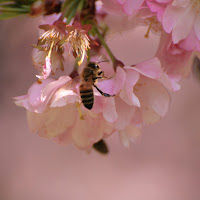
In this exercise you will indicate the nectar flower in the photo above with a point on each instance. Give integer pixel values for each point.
(48, 53)
(78, 39)
(173, 59)
(54, 112)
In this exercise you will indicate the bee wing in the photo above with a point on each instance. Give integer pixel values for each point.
(73, 84)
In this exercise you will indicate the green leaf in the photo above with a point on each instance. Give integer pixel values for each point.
(65, 4)
(71, 8)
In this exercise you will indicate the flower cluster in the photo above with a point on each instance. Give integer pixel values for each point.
(121, 98)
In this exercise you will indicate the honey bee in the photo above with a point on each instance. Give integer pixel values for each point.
(89, 78)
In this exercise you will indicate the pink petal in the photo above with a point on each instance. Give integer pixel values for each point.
(164, 1)
(109, 111)
(154, 99)
(53, 122)
(32, 101)
(190, 43)
(132, 5)
(52, 87)
(150, 68)
(35, 91)
(129, 135)
(89, 131)
(126, 94)
(113, 7)
(113, 86)
(158, 8)
(180, 3)
(184, 26)
(121, 1)
(197, 26)
(170, 17)
(62, 97)
(106, 106)
(174, 80)
(125, 114)
(23, 101)
(46, 69)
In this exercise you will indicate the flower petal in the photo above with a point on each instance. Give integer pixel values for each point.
(35, 91)
(89, 131)
(154, 99)
(126, 94)
(53, 122)
(197, 26)
(125, 114)
(184, 26)
(52, 87)
(106, 106)
(46, 69)
(150, 68)
(129, 135)
(63, 97)
(113, 86)
(32, 101)
(132, 5)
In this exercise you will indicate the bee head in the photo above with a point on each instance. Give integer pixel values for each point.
(93, 65)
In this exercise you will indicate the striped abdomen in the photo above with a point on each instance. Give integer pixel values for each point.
(87, 96)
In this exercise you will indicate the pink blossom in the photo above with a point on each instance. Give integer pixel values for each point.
(191, 43)
(178, 17)
(48, 53)
(148, 92)
(121, 7)
(39, 95)
(173, 59)
(140, 98)
(78, 39)
(52, 113)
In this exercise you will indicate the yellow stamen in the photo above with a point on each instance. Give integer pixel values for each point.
(149, 28)
(79, 111)
(50, 50)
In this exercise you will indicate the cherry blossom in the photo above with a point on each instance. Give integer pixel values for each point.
(178, 17)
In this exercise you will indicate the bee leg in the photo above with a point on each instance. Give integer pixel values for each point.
(98, 77)
(102, 93)
(101, 147)
(79, 111)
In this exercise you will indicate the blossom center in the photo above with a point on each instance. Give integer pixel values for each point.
(153, 24)
(79, 42)
(139, 84)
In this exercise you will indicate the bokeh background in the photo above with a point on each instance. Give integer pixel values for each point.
(163, 164)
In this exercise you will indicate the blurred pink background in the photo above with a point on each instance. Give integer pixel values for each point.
(163, 164)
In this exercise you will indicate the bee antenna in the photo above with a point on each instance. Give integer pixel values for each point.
(102, 61)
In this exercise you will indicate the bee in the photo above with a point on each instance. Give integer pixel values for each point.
(89, 77)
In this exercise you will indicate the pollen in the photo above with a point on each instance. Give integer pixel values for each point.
(196, 6)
